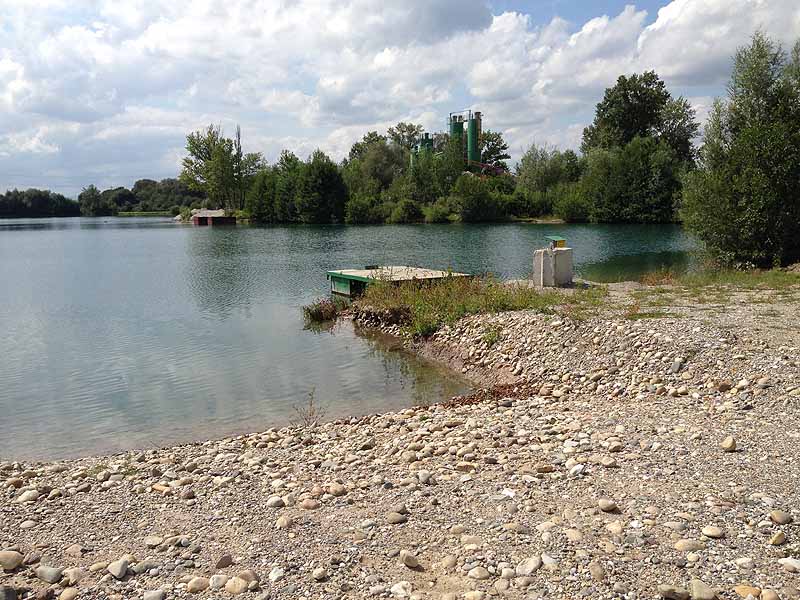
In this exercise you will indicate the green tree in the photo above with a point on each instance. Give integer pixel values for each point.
(474, 202)
(288, 171)
(424, 182)
(405, 135)
(358, 149)
(217, 166)
(743, 201)
(260, 201)
(93, 204)
(639, 183)
(542, 167)
(322, 194)
(494, 150)
(630, 108)
(449, 166)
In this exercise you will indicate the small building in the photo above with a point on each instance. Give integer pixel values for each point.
(212, 217)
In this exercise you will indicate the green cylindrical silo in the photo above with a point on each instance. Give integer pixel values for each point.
(473, 155)
(456, 128)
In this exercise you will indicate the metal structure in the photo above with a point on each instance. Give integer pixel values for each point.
(456, 123)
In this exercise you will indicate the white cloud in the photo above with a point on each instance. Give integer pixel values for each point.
(106, 90)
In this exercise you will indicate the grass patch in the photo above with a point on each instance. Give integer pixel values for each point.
(324, 309)
(491, 335)
(433, 305)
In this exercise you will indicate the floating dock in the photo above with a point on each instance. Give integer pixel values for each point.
(352, 282)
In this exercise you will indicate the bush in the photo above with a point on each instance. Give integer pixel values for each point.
(361, 209)
(324, 309)
(175, 210)
(570, 203)
(405, 211)
(743, 201)
(474, 201)
(438, 212)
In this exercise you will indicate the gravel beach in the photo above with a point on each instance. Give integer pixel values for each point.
(606, 457)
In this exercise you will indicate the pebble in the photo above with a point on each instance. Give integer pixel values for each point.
(236, 586)
(479, 573)
(700, 591)
(153, 595)
(197, 585)
(728, 444)
(790, 564)
(395, 518)
(49, 574)
(713, 532)
(118, 568)
(319, 574)
(224, 561)
(409, 559)
(744, 591)
(607, 505)
(781, 517)
(10, 560)
(529, 566)
(69, 593)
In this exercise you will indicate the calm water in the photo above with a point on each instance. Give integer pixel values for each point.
(122, 333)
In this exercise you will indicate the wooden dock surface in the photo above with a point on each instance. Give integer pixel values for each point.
(394, 273)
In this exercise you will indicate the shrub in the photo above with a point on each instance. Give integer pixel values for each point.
(438, 212)
(362, 209)
(405, 211)
(324, 309)
(570, 203)
(474, 201)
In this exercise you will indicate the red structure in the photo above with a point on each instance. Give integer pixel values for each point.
(212, 217)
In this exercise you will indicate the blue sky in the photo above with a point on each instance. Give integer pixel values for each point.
(106, 93)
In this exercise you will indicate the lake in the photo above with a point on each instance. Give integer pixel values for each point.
(119, 333)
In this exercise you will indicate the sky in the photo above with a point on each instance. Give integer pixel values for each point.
(104, 91)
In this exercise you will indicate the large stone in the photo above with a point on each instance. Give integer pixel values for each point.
(790, 564)
(408, 559)
(197, 585)
(118, 568)
(700, 591)
(10, 560)
(7, 593)
(69, 593)
(781, 517)
(687, 545)
(479, 573)
(607, 505)
(529, 566)
(28, 496)
(745, 590)
(236, 586)
(49, 574)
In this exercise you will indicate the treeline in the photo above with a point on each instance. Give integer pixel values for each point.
(147, 195)
(33, 203)
(630, 169)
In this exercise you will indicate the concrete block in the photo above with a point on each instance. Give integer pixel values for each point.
(552, 267)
